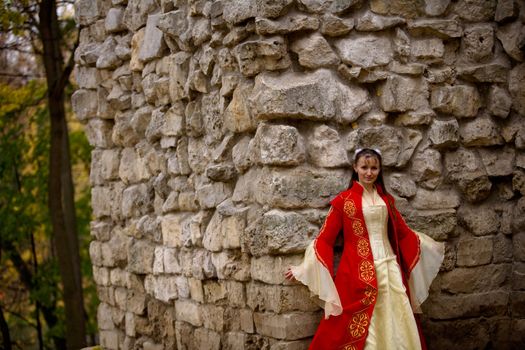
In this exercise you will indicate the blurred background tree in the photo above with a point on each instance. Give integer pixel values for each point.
(47, 296)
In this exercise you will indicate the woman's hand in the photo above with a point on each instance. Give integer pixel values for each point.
(289, 274)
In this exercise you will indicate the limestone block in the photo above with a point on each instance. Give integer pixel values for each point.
(87, 77)
(502, 251)
(493, 72)
(400, 94)
(201, 31)
(278, 145)
(335, 26)
(84, 104)
(240, 155)
(110, 339)
(498, 162)
(301, 95)
(325, 148)
(196, 290)
(286, 24)
(104, 317)
(101, 276)
(271, 270)
(113, 22)
(211, 194)
(165, 288)
(466, 279)
(98, 132)
(517, 88)
(465, 168)
(132, 167)
(278, 232)
(403, 8)
(140, 257)
(517, 276)
(408, 68)
(444, 133)
(171, 226)
(235, 11)
(188, 311)
(272, 9)
(478, 42)
(107, 57)
(475, 251)
(314, 51)
(505, 10)
(256, 56)
(136, 13)
(499, 101)
(518, 181)
(100, 230)
(480, 221)
(178, 74)
(193, 114)
(174, 24)
(123, 133)
(207, 339)
(518, 218)
(221, 172)
(158, 261)
(436, 223)
(397, 146)
(279, 299)
(370, 22)
(458, 100)
(442, 28)
(481, 131)
(489, 303)
(232, 264)
(365, 50)
(88, 11)
(511, 37)
(184, 335)
(212, 112)
(475, 10)
(288, 326)
(427, 48)
(331, 6)
(401, 185)
(118, 98)
(238, 115)
(197, 154)
(136, 200)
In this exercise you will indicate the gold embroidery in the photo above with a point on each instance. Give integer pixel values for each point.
(363, 249)
(349, 208)
(366, 271)
(357, 226)
(358, 326)
(349, 347)
(370, 296)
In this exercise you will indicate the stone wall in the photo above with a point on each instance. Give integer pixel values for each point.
(221, 130)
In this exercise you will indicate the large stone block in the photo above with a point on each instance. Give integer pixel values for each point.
(299, 187)
(498, 162)
(136, 13)
(301, 95)
(401, 184)
(232, 264)
(171, 226)
(326, 149)
(436, 223)
(466, 279)
(517, 88)
(438, 199)
(477, 42)
(475, 10)
(278, 232)
(401, 94)
(475, 251)
(141, 255)
(442, 307)
(137, 200)
(188, 311)
(279, 299)
(278, 145)
(427, 169)
(289, 326)
(271, 270)
(444, 133)
(314, 52)
(365, 50)
(481, 221)
(442, 28)
(481, 131)
(458, 100)
(511, 37)
(404, 8)
(285, 25)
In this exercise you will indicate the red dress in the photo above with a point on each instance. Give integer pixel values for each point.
(348, 313)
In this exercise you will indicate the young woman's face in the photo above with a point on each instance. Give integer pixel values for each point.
(367, 169)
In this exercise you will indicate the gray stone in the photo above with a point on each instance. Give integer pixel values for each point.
(403, 8)
(314, 51)
(458, 100)
(518, 181)
(426, 168)
(136, 13)
(335, 26)
(140, 257)
(87, 77)
(365, 50)
(300, 95)
(481, 131)
(107, 57)
(505, 10)
(201, 31)
(271, 270)
(442, 28)
(87, 11)
(475, 251)
(409, 68)
(278, 232)
(325, 148)
(493, 72)
(136, 200)
(477, 42)
(511, 37)
(400, 94)
(402, 185)
(498, 162)
(132, 167)
(444, 133)
(289, 326)
(332, 6)
(370, 22)
(517, 88)
(287, 24)
(279, 299)
(211, 194)
(114, 23)
(486, 303)
(207, 339)
(256, 56)
(231, 264)
(240, 155)
(481, 221)
(238, 115)
(466, 170)
(188, 311)
(466, 279)
(475, 10)
(499, 101)
(174, 24)
(427, 48)
(98, 132)
(437, 199)
(178, 74)
(278, 145)
(237, 11)
(271, 8)
(84, 104)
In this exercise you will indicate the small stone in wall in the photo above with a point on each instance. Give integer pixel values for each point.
(427, 169)
(400, 94)
(499, 161)
(505, 10)
(481, 131)
(136, 13)
(427, 48)
(278, 145)
(314, 51)
(335, 26)
(499, 101)
(285, 25)
(403, 8)
(493, 72)
(512, 38)
(477, 42)
(517, 88)
(475, 251)
(402, 185)
(370, 22)
(444, 133)
(475, 10)
(365, 50)
(458, 100)
(325, 148)
(479, 220)
(256, 56)
(442, 28)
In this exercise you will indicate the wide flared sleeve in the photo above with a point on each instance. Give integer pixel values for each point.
(316, 270)
(426, 269)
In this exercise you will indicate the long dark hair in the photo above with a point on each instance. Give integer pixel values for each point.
(368, 153)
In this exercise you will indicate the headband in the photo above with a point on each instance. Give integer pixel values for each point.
(359, 150)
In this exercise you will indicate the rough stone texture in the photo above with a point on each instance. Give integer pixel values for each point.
(221, 130)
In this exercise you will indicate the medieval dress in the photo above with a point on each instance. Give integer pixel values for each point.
(383, 275)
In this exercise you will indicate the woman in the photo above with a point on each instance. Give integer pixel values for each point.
(384, 273)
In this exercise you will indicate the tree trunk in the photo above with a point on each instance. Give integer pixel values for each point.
(61, 193)
(4, 329)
